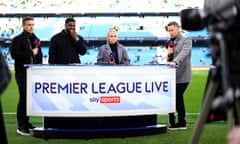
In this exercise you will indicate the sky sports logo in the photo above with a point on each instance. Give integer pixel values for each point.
(105, 99)
(110, 99)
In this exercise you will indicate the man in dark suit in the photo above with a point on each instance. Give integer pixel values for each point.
(180, 57)
(25, 49)
(66, 46)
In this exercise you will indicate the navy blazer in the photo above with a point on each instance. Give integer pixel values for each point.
(63, 49)
(21, 51)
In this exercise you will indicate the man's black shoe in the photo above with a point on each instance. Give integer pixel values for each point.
(178, 126)
(23, 131)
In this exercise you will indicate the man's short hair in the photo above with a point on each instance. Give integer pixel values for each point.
(112, 30)
(68, 20)
(173, 23)
(26, 19)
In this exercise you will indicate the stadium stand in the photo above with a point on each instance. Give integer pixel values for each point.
(95, 6)
(141, 26)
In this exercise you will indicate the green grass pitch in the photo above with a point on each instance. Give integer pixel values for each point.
(213, 133)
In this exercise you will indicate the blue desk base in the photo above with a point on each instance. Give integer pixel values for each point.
(48, 133)
(99, 127)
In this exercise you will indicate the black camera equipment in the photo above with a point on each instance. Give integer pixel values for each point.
(222, 19)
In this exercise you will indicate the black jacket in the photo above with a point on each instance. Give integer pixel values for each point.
(21, 51)
(64, 49)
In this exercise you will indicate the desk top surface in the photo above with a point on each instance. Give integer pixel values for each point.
(75, 66)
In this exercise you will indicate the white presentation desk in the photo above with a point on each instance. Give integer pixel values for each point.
(99, 101)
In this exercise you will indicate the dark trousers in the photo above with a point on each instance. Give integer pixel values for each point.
(22, 118)
(180, 106)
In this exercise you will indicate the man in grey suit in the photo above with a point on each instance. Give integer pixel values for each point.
(112, 52)
(180, 57)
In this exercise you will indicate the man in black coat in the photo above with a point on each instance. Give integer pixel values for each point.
(66, 45)
(25, 49)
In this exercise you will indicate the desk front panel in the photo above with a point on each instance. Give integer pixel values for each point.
(90, 91)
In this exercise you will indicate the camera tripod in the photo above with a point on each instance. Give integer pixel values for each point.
(223, 75)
